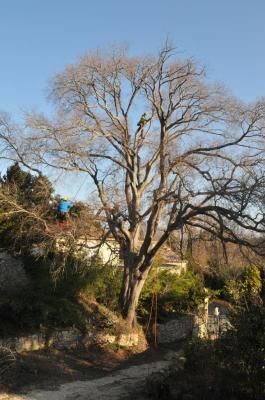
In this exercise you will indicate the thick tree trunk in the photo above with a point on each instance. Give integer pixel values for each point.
(132, 285)
(124, 287)
(129, 312)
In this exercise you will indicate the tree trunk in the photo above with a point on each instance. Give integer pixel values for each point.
(124, 287)
(129, 312)
(132, 285)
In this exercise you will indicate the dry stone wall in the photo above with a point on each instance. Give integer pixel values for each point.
(67, 339)
(175, 329)
(201, 324)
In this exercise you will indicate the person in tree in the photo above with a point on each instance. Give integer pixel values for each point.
(63, 210)
(142, 121)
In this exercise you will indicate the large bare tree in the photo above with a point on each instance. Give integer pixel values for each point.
(197, 161)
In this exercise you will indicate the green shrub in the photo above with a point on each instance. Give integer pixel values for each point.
(57, 303)
(176, 294)
(102, 282)
(27, 312)
(246, 288)
(231, 368)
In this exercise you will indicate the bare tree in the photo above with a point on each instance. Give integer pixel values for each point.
(197, 162)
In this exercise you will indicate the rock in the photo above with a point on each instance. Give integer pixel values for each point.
(128, 340)
(67, 339)
(13, 277)
(173, 355)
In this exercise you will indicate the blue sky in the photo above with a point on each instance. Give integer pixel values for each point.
(39, 37)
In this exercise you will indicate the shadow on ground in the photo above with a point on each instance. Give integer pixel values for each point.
(51, 368)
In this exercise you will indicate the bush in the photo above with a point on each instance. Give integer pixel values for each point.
(29, 311)
(245, 289)
(103, 282)
(176, 294)
(231, 368)
(57, 303)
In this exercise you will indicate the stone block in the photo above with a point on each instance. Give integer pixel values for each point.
(128, 340)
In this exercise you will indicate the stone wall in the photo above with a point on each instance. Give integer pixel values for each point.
(12, 275)
(201, 324)
(175, 329)
(67, 339)
(186, 326)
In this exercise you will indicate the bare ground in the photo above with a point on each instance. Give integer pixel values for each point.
(88, 374)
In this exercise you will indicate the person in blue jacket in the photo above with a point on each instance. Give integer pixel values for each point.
(63, 208)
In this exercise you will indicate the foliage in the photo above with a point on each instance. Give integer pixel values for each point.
(28, 217)
(218, 275)
(103, 282)
(86, 277)
(24, 206)
(237, 359)
(245, 289)
(232, 367)
(247, 346)
(42, 303)
(29, 311)
(176, 294)
(58, 303)
(27, 188)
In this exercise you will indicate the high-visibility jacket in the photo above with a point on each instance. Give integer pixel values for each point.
(143, 119)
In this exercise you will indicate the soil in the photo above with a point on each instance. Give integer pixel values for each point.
(49, 369)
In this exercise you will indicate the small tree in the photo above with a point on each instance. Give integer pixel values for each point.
(27, 188)
(24, 207)
(196, 162)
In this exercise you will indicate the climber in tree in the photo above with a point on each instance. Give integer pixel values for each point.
(63, 210)
(143, 120)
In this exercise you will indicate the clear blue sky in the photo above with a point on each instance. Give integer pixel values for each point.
(39, 37)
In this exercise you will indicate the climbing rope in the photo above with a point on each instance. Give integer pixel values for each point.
(150, 315)
(58, 178)
(80, 187)
(155, 322)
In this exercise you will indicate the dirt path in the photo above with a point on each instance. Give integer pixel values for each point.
(122, 384)
(118, 385)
